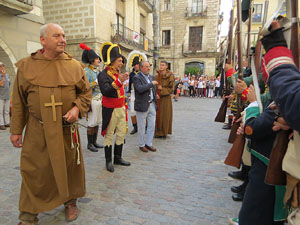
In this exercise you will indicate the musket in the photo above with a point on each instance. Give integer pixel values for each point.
(275, 175)
(223, 108)
(234, 157)
(158, 127)
(236, 125)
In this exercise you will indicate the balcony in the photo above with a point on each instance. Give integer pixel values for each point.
(198, 52)
(16, 7)
(131, 39)
(195, 12)
(146, 5)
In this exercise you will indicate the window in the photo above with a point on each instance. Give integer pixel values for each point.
(197, 6)
(167, 5)
(120, 24)
(257, 13)
(166, 37)
(195, 38)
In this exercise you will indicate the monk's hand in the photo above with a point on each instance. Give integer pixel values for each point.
(72, 115)
(157, 96)
(280, 124)
(251, 94)
(16, 140)
(154, 82)
(159, 87)
(240, 86)
(123, 77)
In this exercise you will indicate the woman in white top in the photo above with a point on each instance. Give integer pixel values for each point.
(200, 88)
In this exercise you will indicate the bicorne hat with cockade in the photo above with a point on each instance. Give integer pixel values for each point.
(88, 54)
(110, 52)
(135, 57)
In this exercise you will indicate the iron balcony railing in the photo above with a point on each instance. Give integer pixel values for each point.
(122, 33)
(198, 11)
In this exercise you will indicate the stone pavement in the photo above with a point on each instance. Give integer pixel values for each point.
(184, 182)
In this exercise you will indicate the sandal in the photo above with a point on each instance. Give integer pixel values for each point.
(71, 212)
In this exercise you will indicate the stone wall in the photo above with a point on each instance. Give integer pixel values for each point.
(176, 20)
(75, 16)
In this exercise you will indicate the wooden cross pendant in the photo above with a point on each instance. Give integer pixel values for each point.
(53, 104)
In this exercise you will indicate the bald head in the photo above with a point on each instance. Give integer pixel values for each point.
(53, 40)
(48, 26)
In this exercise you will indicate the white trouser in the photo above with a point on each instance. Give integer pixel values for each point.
(150, 117)
(4, 112)
(95, 116)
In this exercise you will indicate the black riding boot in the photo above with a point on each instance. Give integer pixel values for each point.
(108, 158)
(134, 129)
(118, 156)
(95, 138)
(134, 124)
(90, 137)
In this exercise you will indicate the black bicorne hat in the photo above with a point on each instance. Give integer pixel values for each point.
(88, 54)
(110, 52)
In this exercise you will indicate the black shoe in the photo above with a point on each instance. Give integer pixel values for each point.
(239, 175)
(90, 144)
(134, 129)
(118, 156)
(240, 188)
(226, 126)
(108, 158)
(238, 197)
(161, 137)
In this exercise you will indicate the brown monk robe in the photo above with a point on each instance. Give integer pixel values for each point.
(165, 112)
(52, 166)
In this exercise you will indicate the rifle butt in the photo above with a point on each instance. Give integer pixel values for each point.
(233, 135)
(222, 112)
(275, 175)
(234, 157)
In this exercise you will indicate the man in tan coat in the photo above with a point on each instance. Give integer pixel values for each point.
(164, 115)
(50, 92)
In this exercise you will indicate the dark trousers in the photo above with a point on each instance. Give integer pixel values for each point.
(192, 91)
(217, 91)
(259, 199)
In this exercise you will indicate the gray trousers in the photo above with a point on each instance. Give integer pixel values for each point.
(4, 112)
(150, 117)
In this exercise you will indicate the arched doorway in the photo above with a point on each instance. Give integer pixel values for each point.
(9, 60)
(194, 68)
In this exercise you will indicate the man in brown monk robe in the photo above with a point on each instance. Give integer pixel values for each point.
(164, 114)
(50, 92)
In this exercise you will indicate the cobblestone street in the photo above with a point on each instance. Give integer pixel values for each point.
(185, 182)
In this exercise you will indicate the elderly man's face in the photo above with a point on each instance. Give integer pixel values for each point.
(55, 40)
(145, 68)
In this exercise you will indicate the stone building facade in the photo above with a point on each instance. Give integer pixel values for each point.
(126, 22)
(20, 23)
(189, 34)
